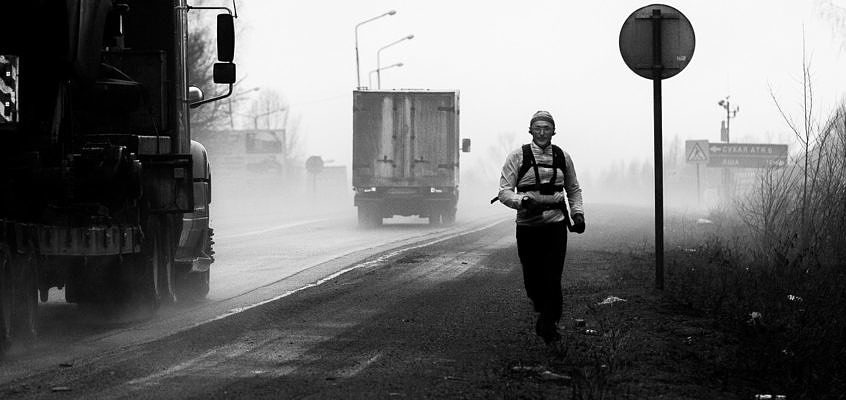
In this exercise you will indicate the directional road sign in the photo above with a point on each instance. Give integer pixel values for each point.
(735, 155)
(746, 155)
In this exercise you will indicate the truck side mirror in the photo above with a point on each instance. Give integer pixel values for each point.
(465, 145)
(224, 73)
(225, 38)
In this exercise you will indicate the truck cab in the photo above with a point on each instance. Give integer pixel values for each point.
(96, 159)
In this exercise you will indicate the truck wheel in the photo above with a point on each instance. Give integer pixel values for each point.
(167, 253)
(448, 218)
(363, 217)
(368, 217)
(435, 218)
(25, 311)
(144, 272)
(6, 298)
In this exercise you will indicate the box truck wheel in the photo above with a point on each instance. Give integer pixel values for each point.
(434, 218)
(363, 216)
(369, 217)
(448, 217)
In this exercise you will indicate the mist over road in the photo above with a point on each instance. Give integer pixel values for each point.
(418, 311)
(264, 250)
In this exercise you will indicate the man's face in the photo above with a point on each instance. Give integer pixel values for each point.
(541, 132)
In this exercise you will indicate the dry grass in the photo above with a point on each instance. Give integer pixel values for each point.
(773, 270)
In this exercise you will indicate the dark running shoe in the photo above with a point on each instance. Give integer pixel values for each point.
(539, 326)
(549, 332)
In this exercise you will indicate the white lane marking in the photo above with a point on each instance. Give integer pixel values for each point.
(204, 361)
(271, 229)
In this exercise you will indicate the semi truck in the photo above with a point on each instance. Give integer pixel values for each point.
(102, 191)
(406, 154)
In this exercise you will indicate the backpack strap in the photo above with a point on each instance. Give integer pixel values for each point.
(559, 160)
(529, 162)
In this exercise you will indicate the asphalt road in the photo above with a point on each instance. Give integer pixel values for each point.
(261, 257)
(398, 325)
(404, 311)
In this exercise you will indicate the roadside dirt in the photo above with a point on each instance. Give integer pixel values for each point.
(449, 320)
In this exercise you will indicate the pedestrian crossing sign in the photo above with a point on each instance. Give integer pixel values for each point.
(696, 151)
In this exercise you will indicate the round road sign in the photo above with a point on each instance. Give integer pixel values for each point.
(314, 164)
(661, 58)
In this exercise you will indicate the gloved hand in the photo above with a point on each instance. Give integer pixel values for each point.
(578, 224)
(531, 205)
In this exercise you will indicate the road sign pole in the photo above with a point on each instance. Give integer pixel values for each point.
(648, 53)
(698, 188)
(659, 153)
(659, 187)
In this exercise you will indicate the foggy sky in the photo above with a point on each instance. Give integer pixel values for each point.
(509, 59)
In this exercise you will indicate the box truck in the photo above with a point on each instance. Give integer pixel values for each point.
(406, 154)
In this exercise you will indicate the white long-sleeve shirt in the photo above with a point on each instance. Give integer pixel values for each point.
(508, 184)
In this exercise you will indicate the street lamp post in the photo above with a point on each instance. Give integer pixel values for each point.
(257, 116)
(357, 73)
(379, 62)
(370, 76)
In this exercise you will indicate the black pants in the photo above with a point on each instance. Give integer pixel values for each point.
(542, 250)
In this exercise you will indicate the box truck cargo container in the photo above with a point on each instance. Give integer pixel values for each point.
(406, 154)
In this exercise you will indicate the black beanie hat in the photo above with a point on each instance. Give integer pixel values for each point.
(542, 116)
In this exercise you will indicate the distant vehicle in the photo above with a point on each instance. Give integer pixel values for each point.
(245, 153)
(405, 154)
(104, 194)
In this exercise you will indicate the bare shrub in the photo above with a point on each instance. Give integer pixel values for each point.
(781, 286)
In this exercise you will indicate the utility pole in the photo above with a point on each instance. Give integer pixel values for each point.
(730, 113)
(725, 136)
